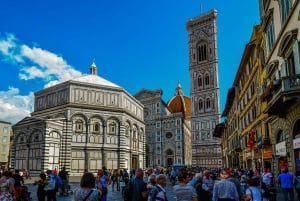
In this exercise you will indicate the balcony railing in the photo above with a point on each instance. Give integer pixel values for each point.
(281, 94)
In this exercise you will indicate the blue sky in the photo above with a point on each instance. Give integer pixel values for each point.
(137, 44)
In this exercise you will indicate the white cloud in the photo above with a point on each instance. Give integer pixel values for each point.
(28, 73)
(33, 63)
(13, 106)
(49, 66)
(9, 49)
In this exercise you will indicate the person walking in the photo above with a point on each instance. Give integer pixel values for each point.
(287, 181)
(19, 181)
(140, 191)
(50, 186)
(225, 190)
(158, 192)
(202, 189)
(208, 180)
(252, 192)
(267, 177)
(102, 182)
(64, 175)
(182, 191)
(136, 189)
(115, 180)
(151, 184)
(41, 194)
(173, 175)
(234, 180)
(6, 186)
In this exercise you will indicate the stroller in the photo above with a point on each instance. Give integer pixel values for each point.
(25, 194)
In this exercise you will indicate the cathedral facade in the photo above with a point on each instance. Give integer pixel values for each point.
(204, 89)
(168, 128)
(82, 124)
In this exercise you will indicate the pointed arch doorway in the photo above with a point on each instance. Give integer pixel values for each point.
(170, 157)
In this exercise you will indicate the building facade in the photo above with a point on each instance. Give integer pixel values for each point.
(5, 144)
(281, 87)
(244, 140)
(168, 129)
(270, 136)
(82, 124)
(204, 89)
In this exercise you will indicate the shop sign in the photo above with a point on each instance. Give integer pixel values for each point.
(296, 143)
(268, 154)
(280, 149)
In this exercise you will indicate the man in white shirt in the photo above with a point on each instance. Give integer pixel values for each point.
(267, 177)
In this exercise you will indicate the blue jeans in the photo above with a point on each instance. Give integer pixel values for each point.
(288, 194)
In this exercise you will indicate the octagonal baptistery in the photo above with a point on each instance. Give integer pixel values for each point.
(82, 124)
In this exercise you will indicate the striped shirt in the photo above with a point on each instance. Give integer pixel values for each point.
(184, 193)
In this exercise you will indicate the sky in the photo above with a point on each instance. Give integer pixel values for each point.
(137, 44)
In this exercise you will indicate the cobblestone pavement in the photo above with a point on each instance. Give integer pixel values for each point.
(112, 195)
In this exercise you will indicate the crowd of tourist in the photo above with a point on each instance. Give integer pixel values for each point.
(189, 184)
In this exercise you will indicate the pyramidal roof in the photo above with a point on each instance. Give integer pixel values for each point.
(93, 78)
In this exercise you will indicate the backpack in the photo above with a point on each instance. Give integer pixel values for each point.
(127, 191)
(51, 182)
(202, 194)
(58, 183)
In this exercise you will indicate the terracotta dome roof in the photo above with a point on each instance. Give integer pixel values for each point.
(180, 103)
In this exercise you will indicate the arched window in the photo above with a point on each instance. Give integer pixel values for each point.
(127, 131)
(78, 126)
(134, 138)
(206, 79)
(92, 139)
(280, 136)
(200, 105)
(202, 52)
(141, 135)
(96, 127)
(112, 128)
(200, 81)
(285, 9)
(74, 137)
(208, 105)
(291, 64)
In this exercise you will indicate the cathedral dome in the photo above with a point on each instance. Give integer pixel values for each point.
(180, 103)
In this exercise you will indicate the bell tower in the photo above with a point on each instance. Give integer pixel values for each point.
(204, 89)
